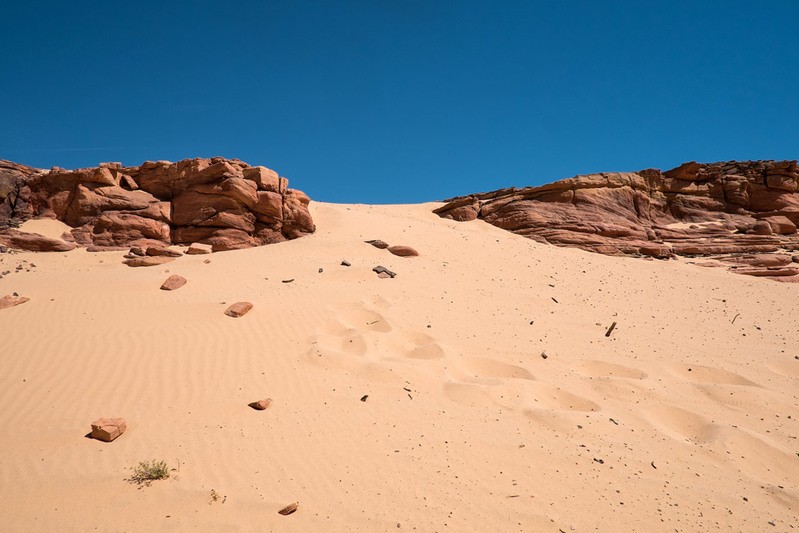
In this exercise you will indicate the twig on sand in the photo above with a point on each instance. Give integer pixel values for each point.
(610, 329)
(736, 316)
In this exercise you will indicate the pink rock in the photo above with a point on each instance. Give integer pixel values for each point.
(197, 248)
(238, 309)
(148, 261)
(221, 202)
(260, 405)
(723, 210)
(173, 282)
(11, 300)
(108, 429)
(34, 242)
(403, 251)
(156, 251)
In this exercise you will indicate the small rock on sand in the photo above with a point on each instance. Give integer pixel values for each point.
(403, 251)
(158, 251)
(377, 243)
(289, 509)
(199, 249)
(383, 272)
(148, 261)
(108, 429)
(173, 282)
(345, 263)
(260, 405)
(238, 309)
(11, 300)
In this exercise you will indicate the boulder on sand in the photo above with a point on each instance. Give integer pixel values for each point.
(108, 429)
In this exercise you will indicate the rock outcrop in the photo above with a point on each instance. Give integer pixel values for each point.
(221, 202)
(743, 215)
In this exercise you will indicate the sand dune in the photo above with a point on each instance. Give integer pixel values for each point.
(682, 419)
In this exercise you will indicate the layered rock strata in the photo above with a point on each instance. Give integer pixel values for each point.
(225, 203)
(742, 215)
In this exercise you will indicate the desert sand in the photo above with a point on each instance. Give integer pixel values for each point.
(495, 402)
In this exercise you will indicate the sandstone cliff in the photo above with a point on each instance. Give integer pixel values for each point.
(739, 214)
(222, 202)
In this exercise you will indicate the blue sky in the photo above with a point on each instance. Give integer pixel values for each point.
(401, 101)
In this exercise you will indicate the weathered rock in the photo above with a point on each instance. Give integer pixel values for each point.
(136, 250)
(156, 251)
(289, 509)
(11, 300)
(224, 203)
(383, 272)
(260, 405)
(108, 429)
(197, 248)
(33, 242)
(403, 251)
(723, 210)
(148, 261)
(173, 282)
(377, 243)
(238, 309)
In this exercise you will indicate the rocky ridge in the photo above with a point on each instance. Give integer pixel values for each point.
(225, 203)
(741, 215)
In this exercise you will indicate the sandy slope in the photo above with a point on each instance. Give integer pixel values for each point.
(681, 420)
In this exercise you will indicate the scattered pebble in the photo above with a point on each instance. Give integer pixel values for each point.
(289, 509)
(260, 405)
(383, 270)
(377, 243)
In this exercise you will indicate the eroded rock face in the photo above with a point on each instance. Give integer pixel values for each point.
(224, 203)
(721, 211)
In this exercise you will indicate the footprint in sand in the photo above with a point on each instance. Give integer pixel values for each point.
(518, 394)
(788, 368)
(709, 375)
(680, 424)
(424, 347)
(750, 453)
(359, 316)
(482, 367)
(602, 369)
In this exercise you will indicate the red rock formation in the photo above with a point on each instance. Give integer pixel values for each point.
(720, 211)
(221, 202)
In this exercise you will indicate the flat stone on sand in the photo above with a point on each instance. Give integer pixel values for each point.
(260, 405)
(403, 251)
(199, 249)
(238, 309)
(12, 300)
(148, 261)
(173, 282)
(108, 429)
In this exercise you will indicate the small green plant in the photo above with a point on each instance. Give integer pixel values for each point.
(149, 471)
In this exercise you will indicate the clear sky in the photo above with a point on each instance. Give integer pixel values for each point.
(401, 101)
